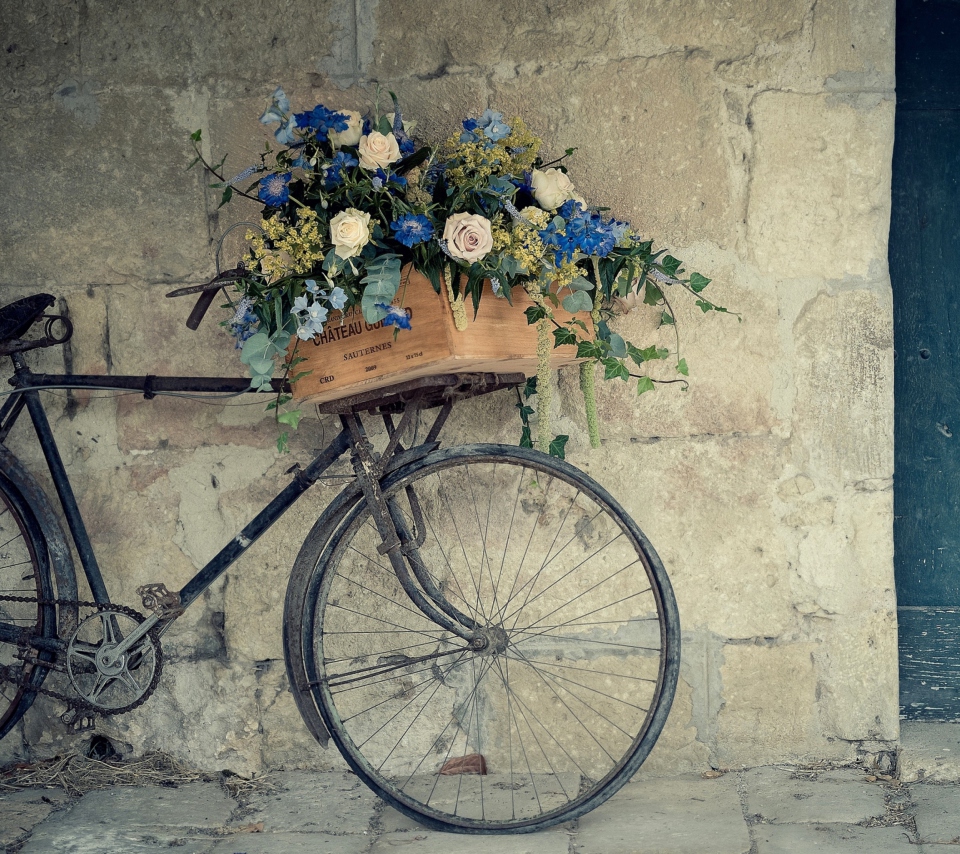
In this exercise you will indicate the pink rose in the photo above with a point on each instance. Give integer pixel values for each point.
(468, 236)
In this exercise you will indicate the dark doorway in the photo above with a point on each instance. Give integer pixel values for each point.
(925, 269)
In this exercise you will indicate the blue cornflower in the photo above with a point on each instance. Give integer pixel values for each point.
(321, 121)
(274, 190)
(412, 229)
(395, 316)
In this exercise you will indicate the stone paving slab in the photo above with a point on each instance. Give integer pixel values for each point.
(290, 843)
(778, 795)
(937, 811)
(929, 751)
(21, 811)
(552, 841)
(675, 815)
(82, 839)
(334, 802)
(830, 838)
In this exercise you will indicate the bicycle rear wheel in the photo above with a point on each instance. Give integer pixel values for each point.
(24, 572)
(582, 636)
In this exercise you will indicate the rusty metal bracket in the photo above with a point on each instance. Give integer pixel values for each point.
(164, 603)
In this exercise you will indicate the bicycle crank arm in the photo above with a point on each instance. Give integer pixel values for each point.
(114, 655)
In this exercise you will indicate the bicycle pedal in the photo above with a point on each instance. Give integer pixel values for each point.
(77, 721)
(164, 603)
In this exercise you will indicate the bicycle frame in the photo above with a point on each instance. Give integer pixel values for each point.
(351, 437)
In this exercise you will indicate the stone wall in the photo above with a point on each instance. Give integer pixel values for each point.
(754, 140)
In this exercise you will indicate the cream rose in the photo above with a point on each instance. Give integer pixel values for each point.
(350, 136)
(378, 151)
(349, 232)
(468, 236)
(551, 188)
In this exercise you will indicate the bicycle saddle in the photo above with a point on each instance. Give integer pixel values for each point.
(17, 317)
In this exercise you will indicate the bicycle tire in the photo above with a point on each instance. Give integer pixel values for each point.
(516, 711)
(24, 571)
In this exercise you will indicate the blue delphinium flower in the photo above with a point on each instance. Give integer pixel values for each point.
(278, 109)
(395, 316)
(274, 190)
(490, 126)
(310, 317)
(333, 171)
(321, 121)
(411, 229)
(244, 323)
(285, 133)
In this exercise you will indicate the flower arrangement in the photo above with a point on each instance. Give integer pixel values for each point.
(348, 200)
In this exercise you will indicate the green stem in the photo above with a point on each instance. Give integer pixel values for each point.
(587, 386)
(544, 387)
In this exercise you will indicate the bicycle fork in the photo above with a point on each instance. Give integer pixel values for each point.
(399, 544)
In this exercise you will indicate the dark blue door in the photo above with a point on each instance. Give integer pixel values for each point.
(925, 269)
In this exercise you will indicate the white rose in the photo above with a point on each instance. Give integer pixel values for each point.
(350, 136)
(349, 232)
(468, 236)
(551, 188)
(378, 151)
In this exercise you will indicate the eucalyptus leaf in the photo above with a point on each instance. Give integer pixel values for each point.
(577, 301)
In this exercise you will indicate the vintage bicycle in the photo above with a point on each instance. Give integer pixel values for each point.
(488, 638)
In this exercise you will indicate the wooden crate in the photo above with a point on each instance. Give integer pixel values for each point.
(353, 356)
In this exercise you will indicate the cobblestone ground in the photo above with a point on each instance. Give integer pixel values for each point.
(765, 810)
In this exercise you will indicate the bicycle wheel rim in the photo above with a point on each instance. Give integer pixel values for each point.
(513, 706)
(22, 573)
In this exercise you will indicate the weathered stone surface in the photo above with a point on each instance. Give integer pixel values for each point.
(39, 46)
(782, 796)
(936, 814)
(930, 751)
(20, 812)
(661, 815)
(126, 210)
(829, 838)
(823, 166)
(845, 344)
(770, 708)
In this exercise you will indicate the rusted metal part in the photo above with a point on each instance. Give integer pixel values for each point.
(431, 392)
(164, 603)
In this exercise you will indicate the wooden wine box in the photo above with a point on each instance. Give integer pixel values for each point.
(353, 356)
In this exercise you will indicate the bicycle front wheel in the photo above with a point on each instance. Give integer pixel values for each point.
(24, 584)
(581, 633)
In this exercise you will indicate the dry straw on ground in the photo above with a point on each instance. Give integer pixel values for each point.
(78, 775)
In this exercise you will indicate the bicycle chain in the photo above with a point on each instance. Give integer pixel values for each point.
(76, 703)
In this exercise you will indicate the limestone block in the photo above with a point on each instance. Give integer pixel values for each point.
(820, 193)
(109, 201)
(218, 43)
(770, 706)
(858, 689)
(853, 44)
(680, 747)
(649, 140)
(40, 45)
(844, 385)
(706, 507)
(732, 364)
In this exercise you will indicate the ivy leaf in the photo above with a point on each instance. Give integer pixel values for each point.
(227, 195)
(682, 368)
(530, 387)
(644, 384)
(635, 354)
(196, 135)
(557, 446)
(698, 282)
(666, 319)
(563, 336)
(670, 265)
(577, 301)
(704, 306)
(535, 313)
(526, 440)
(653, 352)
(652, 294)
(589, 350)
(614, 368)
(291, 419)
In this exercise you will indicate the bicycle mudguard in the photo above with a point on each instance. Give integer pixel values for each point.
(64, 572)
